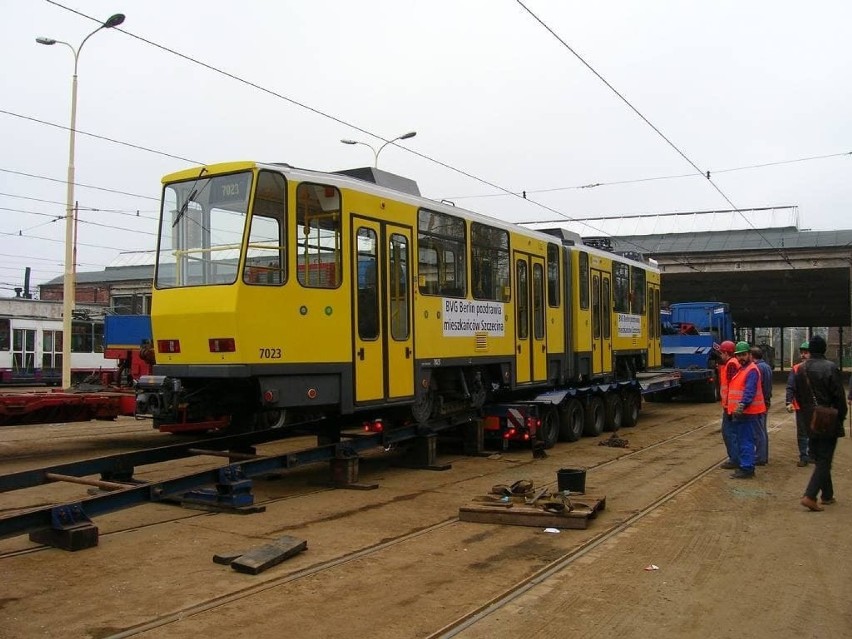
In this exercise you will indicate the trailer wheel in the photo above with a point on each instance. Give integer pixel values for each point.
(549, 427)
(710, 392)
(613, 412)
(631, 402)
(594, 417)
(571, 421)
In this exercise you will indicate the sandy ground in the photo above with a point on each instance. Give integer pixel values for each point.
(735, 558)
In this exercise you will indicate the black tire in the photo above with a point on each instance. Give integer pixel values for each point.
(613, 412)
(549, 431)
(710, 392)
(571, 421)
(594, 417)
(631, 401)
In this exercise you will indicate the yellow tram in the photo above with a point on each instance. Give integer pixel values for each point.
(282, 293)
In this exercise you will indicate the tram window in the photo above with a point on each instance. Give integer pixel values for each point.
(621, 288)
(82, 337)
(318, 236)
(523, 302)
(51, 343)
(653, 326)
(441, 258)
(538, 301)
(596, 307)
(97, 337)
(583, 276)
(637, 295)
(605, 310)
(656, 311)
(552, 275)
(368, 286)
(5, 334)
(489, 262)
(399, 287)
(266, 259)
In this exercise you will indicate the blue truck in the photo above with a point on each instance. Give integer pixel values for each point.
(689, 332)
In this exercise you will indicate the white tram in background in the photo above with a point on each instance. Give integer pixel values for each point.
(31, 344)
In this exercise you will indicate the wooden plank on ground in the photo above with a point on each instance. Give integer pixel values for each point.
(263, 557)
(523, 515)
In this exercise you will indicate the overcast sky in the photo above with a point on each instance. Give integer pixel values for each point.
(489, 90)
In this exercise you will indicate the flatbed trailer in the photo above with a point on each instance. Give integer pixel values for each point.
(63, 406)
(569, 413)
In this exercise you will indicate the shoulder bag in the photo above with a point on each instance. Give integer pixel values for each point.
(823, 418)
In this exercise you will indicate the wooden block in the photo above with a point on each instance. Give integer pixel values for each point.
(256, 560)
(523, 515)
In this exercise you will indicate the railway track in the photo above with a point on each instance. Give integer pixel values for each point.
(335, 561)
(325, 570)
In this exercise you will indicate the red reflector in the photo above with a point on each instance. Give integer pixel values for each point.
(168, 346)
(375, 426)
(492, 422)
(222, 345)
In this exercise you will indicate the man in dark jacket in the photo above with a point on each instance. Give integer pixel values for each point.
(818, 379)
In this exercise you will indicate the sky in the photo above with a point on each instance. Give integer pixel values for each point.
(505, 97)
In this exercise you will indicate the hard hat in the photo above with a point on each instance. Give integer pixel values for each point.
(727, 347)
(742, 347)
(805, 346)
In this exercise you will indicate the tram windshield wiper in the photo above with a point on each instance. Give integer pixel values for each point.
(191, 198)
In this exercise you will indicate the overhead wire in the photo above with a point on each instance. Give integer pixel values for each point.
(316, 111)
(79, 208)
(433, 160)
(80, 184)
(100, 137)
(650, 124)
(55, 218)
(659, 177)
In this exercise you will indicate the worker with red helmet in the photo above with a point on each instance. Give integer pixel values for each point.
(745, 405)
(727, 367)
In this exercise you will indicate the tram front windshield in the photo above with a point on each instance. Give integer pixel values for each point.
(201, 230)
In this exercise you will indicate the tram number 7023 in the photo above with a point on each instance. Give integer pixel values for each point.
(270, 353)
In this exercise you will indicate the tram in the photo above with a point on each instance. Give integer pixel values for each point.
(283, 293)
(31, 350)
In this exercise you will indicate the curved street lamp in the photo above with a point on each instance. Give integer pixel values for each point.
(68, 285)
(375, 151)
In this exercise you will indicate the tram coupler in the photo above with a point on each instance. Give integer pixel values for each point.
(344, 470)
(232, 493)
(422, 453)
(70, 529)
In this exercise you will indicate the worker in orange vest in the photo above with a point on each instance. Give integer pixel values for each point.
(745, 404)
(792, 405)
(728, 366)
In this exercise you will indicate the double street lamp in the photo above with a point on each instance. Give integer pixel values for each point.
(68, 286)
(375, 151)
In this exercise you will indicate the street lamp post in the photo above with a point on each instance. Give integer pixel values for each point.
(68, 284)
(376, 152)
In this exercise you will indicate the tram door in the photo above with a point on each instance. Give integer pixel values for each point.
(24, 351)
(601, 322)
(382, 332)
(530, 327)
(654, 328)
